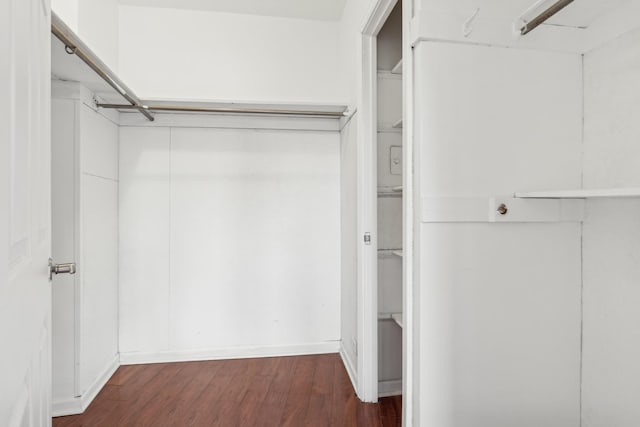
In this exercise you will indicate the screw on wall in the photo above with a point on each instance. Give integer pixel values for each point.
(503, 209)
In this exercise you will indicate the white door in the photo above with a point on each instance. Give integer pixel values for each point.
(25, 213)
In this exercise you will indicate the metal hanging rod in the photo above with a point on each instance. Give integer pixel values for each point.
(544, 16)
(76, 46)
(229, 110)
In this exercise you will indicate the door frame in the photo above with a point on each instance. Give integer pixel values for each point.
(367, 205)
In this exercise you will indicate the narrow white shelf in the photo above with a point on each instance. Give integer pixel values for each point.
(399, 253)
(397, 189)
(398, 68)
(398, 124)
(581, 194)
(396, 317)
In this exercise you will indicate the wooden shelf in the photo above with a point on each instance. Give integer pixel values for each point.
(581, 194)
(398, 68)
(398, 124)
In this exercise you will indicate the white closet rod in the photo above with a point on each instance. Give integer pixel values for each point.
(76, 46)
(544, 16)
(228, 110)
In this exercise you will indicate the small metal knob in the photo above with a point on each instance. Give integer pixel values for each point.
(68, 268)
(503, 209)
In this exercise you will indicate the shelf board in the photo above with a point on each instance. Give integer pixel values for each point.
(398, 124)
(581, 194)
(399, 253)
(397, 317)
(398, 68)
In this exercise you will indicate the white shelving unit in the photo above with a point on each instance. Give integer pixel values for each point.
(581, 194)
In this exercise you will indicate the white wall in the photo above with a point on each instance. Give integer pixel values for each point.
(355, 15)
(98, 27)
(96, 22)
(498, 305)
(230, 242)
(223, 56)
(68, 11)
(85, 220)
(611, 235)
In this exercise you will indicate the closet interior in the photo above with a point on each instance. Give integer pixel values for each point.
(200, 230)
(390, 204)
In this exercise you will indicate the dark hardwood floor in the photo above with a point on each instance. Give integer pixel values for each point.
(312, 391)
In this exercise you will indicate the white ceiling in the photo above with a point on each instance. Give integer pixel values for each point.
(326, 10)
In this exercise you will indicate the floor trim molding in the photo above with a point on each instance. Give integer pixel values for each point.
(248, 352)
(349, 366)
(78, 405)
(390, 388)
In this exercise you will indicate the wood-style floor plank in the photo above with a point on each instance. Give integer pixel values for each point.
(312, 391)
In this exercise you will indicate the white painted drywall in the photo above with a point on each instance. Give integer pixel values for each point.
(96, 23)
(349, 242)
(329, 10)
(224, 56)
(230, 239)
(354, 17)
(85, 208)
(98, 27)
(67, 10)
(498, 305)
(611, 235)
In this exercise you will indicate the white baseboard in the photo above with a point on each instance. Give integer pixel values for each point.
(389, 388)
(62, 408)
(248, 352)
(349, 366)
(78, 405)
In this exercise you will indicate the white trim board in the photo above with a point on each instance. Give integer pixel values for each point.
(231, 121)
(390, 388)
(246, 352)
(349, 366)
(78, 405)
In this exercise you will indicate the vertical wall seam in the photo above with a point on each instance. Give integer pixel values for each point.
(170, 231)
(582, 247)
